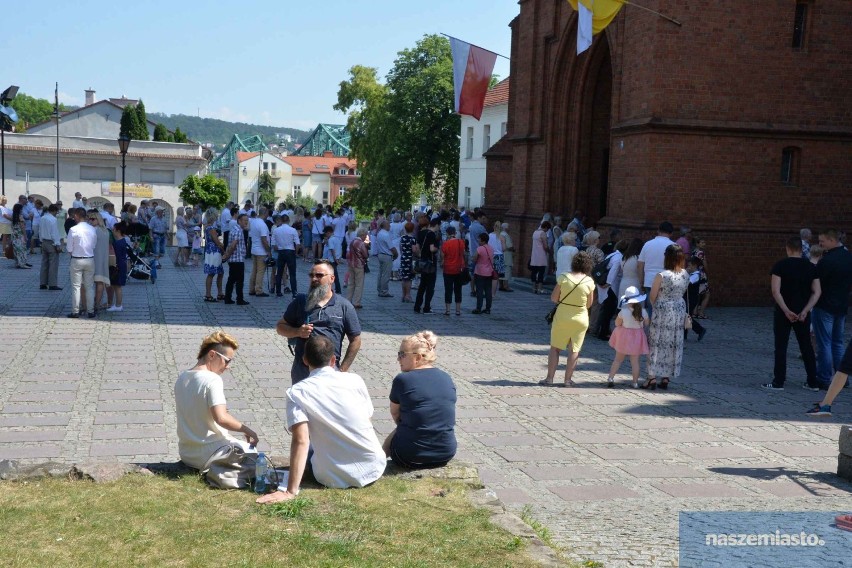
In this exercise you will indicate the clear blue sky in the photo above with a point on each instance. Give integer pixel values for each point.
(276, 63)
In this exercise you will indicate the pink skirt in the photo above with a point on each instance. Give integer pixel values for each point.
(629, 341)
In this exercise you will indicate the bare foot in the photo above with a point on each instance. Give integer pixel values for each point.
(274, 497)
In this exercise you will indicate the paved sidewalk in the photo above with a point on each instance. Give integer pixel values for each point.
(606, 470)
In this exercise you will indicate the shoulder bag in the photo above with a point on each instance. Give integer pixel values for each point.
(230, 467)
(552, 313)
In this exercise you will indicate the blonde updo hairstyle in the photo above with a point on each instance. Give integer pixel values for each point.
(422, 343)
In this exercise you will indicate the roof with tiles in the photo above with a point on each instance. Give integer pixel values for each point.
(327, 163)
(498, 94)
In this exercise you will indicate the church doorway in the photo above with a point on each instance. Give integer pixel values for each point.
(593, 163)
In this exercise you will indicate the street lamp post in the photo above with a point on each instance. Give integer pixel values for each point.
(123, 145)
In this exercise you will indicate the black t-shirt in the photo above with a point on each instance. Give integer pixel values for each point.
(426, 432)
(835, 278)
(426, 239)
(334, 320)
(797, 276)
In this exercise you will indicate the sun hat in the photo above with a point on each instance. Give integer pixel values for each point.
(631, 296)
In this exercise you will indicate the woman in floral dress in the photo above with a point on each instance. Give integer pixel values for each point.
(667, 319)
(406, 259)
(19, 237)
(212, 256)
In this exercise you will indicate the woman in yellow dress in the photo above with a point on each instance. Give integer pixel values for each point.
(574, 294)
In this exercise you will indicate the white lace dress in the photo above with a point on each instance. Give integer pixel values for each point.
(666, 333)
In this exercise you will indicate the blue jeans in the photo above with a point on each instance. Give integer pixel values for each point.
(828, 332)
(159, 244)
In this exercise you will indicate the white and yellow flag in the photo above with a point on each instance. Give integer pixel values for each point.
(594, 16)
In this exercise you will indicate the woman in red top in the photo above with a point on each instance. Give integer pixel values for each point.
(454, 263)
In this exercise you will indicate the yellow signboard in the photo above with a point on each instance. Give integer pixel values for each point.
(113, 188)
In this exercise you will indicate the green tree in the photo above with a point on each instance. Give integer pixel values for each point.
(405, 134)
(141, 131)
(129, 122)
(266, 188)
(180, 136)
(207, 191)
(161, 133)
(32, 111)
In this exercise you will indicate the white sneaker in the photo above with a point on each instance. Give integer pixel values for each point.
(635, 385)
(115, 309)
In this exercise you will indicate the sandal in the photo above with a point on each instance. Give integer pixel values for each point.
(664, 384)
(446, 313)
(610, 383)
(220, 297)
(650, 384)
(209, 299)
(546, 383)
(569, 384)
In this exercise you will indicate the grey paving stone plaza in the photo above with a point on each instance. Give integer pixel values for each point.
(606, 470)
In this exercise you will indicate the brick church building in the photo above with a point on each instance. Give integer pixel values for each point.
(737, 123)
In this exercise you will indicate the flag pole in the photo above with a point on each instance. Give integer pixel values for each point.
(482, 48)
(663, 16)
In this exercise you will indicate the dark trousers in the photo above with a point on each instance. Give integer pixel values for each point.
(225, 237)
(288, 258)
(236, 277)
(452, 287)
(781, 326)
(483, 291)
(425, 291)
(537, 274)
(692, 298)
(337, 288)
(606, 313)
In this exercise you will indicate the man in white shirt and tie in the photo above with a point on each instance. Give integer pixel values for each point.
(285, 239)
(51, 244)
(81, 246)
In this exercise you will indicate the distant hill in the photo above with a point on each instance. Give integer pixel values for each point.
(219, 132)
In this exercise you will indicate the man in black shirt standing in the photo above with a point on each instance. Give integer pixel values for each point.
(835, 277)
(795, 289)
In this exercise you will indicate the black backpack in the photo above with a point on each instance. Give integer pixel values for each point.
(601, 271)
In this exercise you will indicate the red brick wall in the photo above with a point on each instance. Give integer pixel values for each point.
(700, 115)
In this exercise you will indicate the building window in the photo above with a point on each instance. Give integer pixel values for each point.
(502, 129)
(265, 166)
(469, 152)
(790, 157)
(482, 197)
(97, 173)
(157, 176)
(467, 197)
(273, 167)
(44, 171)
(486, 138)
(342, 190)
(325, 198)
(800, 23)
(357, 172)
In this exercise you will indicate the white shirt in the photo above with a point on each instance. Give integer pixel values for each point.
(109, 220)
(613, 277)
(233, 225)
(224, 221)
(196, 392)
(627, 319)
(257, 230)
(564, 256)
(339, 224)
(284, 237)
(3, 212)
(48, 230)
(337, 408)
(653, 255)
(317, 225)
(494, 243)
(245, 211)
(78, 204)
(82, 239)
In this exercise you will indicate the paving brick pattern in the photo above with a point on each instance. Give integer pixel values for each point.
(606, 470)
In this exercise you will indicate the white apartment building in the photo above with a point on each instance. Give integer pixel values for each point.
(477, 136)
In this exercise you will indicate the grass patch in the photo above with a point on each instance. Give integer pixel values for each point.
(539, 529)
(156, 521)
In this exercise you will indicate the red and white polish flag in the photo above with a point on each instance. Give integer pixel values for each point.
(472, 69)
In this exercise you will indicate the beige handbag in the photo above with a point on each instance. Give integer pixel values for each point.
(230, 467)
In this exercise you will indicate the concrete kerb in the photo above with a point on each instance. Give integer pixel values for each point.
(479, 495)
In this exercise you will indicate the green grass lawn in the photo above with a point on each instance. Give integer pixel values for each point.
(157, 521)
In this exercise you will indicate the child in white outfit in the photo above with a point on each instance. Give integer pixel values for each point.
(628, 338)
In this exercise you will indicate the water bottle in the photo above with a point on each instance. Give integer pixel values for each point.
(261, 468)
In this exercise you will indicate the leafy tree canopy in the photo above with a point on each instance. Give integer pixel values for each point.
(207, 191)
(266, 185)
(141, 125)
(180, 136)
(161, 133)
(32, 111)
(405, 133)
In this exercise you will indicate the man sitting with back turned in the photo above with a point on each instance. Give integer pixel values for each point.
(329, 414)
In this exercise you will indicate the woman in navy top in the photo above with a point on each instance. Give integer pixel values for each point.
(423, 406)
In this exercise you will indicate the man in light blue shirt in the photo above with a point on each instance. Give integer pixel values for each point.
(386, 253)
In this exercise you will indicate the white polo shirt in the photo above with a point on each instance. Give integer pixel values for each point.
(653, 255)
(337, 408)
(258, 229)
(285, 237)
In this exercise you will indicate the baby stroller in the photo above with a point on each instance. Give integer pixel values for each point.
(139, 234)
(139, 269)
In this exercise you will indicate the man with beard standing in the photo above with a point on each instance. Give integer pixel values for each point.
(320, 312)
